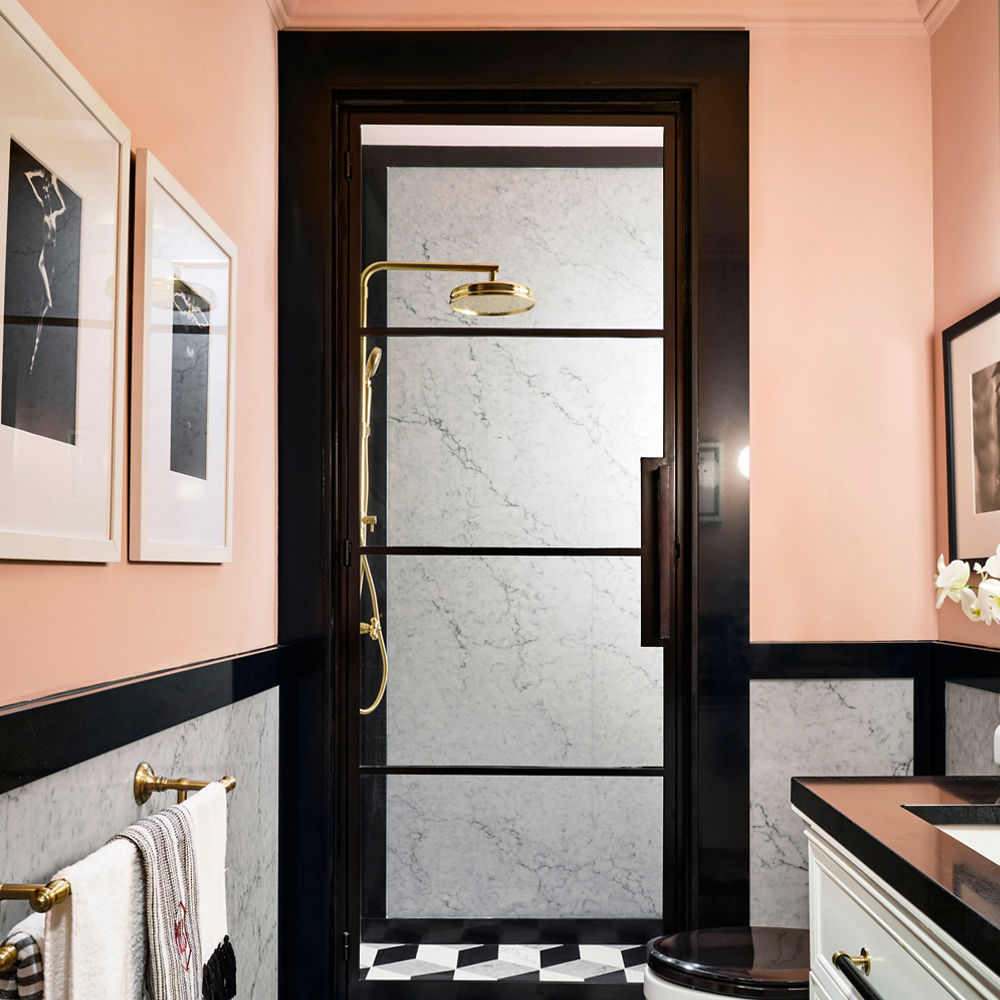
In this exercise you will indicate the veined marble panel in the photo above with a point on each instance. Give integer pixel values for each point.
(813, 728)
(971, 717)
(528, 847)
(520, 661)
(587, 240)
(510, 441)
(59, 819)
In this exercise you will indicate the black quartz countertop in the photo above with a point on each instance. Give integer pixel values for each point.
(952, 884)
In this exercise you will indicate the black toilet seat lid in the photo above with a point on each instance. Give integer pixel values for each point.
(769, 963)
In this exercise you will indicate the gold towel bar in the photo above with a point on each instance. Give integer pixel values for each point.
(146, 782)
(41, 898)
(8, 956)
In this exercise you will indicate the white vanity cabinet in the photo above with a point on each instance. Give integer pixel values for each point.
(851, 908)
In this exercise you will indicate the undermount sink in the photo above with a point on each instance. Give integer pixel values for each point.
(976, 826)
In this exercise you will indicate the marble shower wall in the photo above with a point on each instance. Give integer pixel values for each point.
(59, 819)
(807, 728)
(517, 441)
(524, 846)
(972, 714)
(587, 240)
(520, 661)
(504, 441)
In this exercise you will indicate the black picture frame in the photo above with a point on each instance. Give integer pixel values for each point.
(971, 354)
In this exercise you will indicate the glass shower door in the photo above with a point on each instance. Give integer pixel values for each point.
(511, 776)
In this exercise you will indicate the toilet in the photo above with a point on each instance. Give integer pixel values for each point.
(768, 963)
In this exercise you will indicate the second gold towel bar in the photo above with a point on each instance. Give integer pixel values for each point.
(146, 782)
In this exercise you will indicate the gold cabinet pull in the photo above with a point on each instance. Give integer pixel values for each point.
(862, 961)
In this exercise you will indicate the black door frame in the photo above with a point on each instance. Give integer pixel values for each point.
(322, 72)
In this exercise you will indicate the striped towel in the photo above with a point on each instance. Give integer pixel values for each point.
(24, 978)
(173, 960)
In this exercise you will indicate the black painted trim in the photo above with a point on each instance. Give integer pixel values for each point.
(527, 771)
(510, 930)
(49, 735)
(824, 660)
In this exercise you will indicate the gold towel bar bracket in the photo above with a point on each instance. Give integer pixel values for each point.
(41, 898)
(145, 782)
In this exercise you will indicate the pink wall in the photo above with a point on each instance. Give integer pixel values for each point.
(195, 82)
(841, 500)
(966, 89)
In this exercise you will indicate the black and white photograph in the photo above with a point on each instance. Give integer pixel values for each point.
(971, 353)
(986, 436)
(64, 202)
(41, 300)
(189, 382)
(183, 344)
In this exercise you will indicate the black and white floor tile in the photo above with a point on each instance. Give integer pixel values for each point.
(511, 963)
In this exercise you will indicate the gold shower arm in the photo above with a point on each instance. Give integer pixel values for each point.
(414, 265)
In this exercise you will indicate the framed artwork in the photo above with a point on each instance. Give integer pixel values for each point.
(64, 193)
(972, 415)
(183, 352)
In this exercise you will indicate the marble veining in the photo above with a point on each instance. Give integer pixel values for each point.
(971, 716)
(510, 441)
(59, 819)
(814, 728)
(587, 240)
(520, 661)
(533, 847)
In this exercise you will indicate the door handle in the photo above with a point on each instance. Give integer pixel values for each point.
(657, 550)
(850, 967)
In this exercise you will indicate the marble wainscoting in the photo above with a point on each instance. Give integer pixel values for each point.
(587, 240)
(520, 661)
(535, 847)
(813, 728)
(518, 441)
(972, 714)
(57, 820)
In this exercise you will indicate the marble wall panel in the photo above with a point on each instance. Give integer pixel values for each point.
(508, 441)
(971, 716)
(59, 819)
(588, 241)
(813, 728)
(532, 847)
(520, 661)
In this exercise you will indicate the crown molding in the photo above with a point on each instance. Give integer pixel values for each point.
(280, 13)
(938, 10)
(826, 17)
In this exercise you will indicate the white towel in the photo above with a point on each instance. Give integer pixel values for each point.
(26, 979)
(95, 941)
(207, 812)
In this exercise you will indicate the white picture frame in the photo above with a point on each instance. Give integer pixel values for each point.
(183, 366)
(64, 203)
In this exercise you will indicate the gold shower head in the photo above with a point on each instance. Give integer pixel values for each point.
(491, 298)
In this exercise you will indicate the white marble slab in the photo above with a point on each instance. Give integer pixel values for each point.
(512, 441)
(810, 728)
(524, 847)
(520, 661)
(588, 241)
(971, 717)
(59, 819)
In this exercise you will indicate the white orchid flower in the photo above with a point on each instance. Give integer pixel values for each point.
(992, 567)
(989, 601)
(951, 580)
(971, 606)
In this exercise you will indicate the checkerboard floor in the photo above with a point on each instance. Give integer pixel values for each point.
(510, 963)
